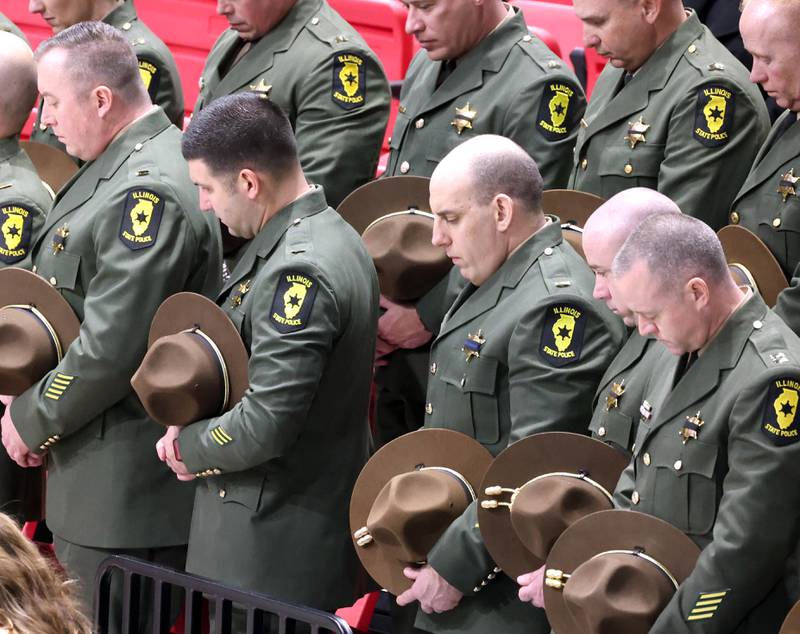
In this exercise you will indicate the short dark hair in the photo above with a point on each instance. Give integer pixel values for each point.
(510, 171)
(99, 54)
(675, 248)
(240, 131)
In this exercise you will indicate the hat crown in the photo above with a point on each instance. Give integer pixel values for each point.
(29, 350)
(617, 593)
(412, 511)
(547, 506)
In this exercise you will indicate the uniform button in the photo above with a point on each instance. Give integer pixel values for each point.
(646, 459)
(633, 448)
(527, 38)
(692, 48)
(419, 123)
(601, 432)
(33, 270)
(584, 164)
(222, 493)
(548, 251)
(635, 497)
(389, 141)
(428, 408)
(315, 21)
(433, 368)
(404, 167)
(776, 223)
(138, 147)
(126, 26)
(53, 281)
(553, 64)
(734, 217)
(678, 465)
(42, 127)
(628, 168)
(757, 324)
(217, 471)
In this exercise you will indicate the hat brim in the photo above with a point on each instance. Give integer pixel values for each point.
(615, 530)
(53, 166)
(571, 206)
(423, 448)
(743, 247)
(18, 286)
(183, 311)
(528, 458)
(384, 196)
(791, 625)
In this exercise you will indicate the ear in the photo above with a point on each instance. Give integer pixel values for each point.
(102, 98)
(698, 292)
(503, 212)
(250, 183)
(651, 9)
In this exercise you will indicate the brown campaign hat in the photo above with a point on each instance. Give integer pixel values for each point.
(407, 495)
(196, 363)
(613, 572)
(393, 217)
(37, 325)
(538, 487)
(53, 166)
(571, 206)
(791, 625)
(751, 262)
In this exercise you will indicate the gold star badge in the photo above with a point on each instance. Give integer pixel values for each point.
(472, 345)
(692, 427)
(636, 132)
(59, 239)
(612, 398)
(464, 118)
(241, 291)
(787, 185)
(263, 88)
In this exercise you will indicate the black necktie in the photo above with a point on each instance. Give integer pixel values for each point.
(448, 66)
(684, 363)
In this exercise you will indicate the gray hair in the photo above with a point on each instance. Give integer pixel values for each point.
(675, 248)
(99, 55)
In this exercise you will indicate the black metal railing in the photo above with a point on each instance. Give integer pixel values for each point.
(153, 611)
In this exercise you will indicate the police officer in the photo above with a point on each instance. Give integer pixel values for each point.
(270, 514)
(768, 202)
(523, 329)
(157, 67)
(616, 402)
(322, 74)
(673, 110)
(718, 438)
(481, 71)
(24, 203)
(122, 235)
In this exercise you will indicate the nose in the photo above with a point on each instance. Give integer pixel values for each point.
(601, 290)
(414, 24)
(757, 75)
(35, 6)
(205, 203)
(646, 327)
(224, 7)
(590, 38)
(47, 117)
(439, 238)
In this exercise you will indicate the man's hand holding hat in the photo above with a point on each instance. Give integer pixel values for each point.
(430, 589)
(17, 450)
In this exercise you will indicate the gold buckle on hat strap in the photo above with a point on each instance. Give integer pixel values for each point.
(48, 326)
(223, 366)
(494, 491)
(408, 212)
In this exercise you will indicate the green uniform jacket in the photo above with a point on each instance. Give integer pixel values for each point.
(546, 343)
(509, 84)
(130, 234)
(272, 513)
(762, 207)
(157, 68)
(24, 203)
(322, 74)
(732, 489)
(616, 402)
(694, 117)
(8, 25)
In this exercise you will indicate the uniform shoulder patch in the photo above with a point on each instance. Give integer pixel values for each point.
(779, 420)
(562, 334)
(293, 301)
(349, 87)
(713, 118)
(141, 217)
(16, 222)
(558, 114)
(706, 605)
(148, 71)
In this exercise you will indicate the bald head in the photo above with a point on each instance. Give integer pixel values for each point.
(18, 79)
(490, 165)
